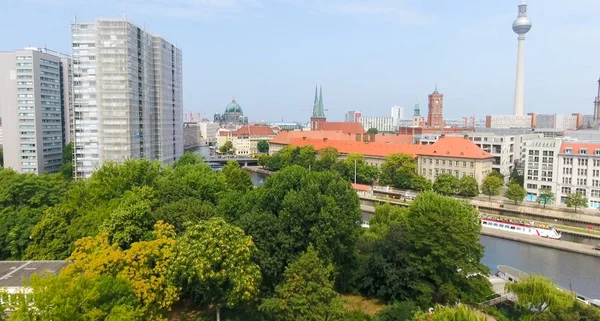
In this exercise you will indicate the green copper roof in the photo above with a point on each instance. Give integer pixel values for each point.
(318, 110)
(233, 107)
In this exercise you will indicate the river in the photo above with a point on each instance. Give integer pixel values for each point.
(578, 272)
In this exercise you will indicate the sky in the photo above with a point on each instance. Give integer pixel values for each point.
(367, 54)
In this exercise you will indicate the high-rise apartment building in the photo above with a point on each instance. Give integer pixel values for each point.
(35, 99)
(127, 87)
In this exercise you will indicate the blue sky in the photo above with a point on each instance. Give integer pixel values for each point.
(367, 54)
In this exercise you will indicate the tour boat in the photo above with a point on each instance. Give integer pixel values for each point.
(521, 227)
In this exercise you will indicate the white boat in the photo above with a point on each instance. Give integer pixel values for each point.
(527, 228)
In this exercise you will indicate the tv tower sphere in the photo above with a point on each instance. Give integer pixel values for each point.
(522, 24)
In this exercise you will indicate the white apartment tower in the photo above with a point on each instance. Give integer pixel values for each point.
(127, 95)
(35, 99)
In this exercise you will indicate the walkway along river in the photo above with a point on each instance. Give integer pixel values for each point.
(569, 270)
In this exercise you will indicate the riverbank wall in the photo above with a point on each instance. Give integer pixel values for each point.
(258, 169)
(536, 240)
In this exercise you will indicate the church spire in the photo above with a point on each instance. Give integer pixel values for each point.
(316, 105)
(321, 110)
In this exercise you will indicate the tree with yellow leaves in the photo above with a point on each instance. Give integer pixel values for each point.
(213, 264)
(146, 266)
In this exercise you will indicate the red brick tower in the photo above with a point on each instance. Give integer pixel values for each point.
(435, 118)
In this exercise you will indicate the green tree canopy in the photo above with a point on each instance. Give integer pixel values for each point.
(497, 174)
(77, 298)
(445, 235)
(516, 193)
(213, 264)
(537, 295)
(67, 161)
(365, 174)
(327, 157)
(545, 196)
(421, 184)
(468, 187)
(398, 311)
(305, 207)
(306, 293)
(187, 210)
(372, 131)
(189, 158)
(236, 177)
(226, 148)
(262, 146)
(576, 200)
(398, 171)
(446, 184)
(492, 185)
(516, 178)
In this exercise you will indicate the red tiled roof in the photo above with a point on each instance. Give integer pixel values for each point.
(361, 187)
(577, 146)
(458, 147)
(344, 127)
(353, 147)
(286, 137)
(254, 131)
(394, 138)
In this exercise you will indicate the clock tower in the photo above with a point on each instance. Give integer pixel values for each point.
(435, 118)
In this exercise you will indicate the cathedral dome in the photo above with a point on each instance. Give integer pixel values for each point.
(233, 107)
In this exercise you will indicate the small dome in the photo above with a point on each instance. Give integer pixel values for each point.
(233, 107)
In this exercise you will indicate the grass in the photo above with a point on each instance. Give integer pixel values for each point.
(359, 303)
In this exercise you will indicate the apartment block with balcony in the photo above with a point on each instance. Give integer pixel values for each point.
(579, 171)
(35, 102)
(127, 87)
(541, 166)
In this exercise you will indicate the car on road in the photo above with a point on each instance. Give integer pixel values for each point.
(597, 247)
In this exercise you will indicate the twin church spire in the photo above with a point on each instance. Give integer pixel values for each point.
(318, 110)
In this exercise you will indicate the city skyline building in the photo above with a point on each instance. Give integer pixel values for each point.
(520, 26)
(435, 117)
(35, 99)
(232, 117)
(127, 86)
(597, 106)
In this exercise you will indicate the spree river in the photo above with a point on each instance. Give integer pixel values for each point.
(578, 272)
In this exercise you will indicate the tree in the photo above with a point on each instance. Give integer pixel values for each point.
(296, 207)
(468, 187)
(187, 210)
(545, 196)
(398, 311)
(365, 174)
(459, 313)
(516, 178)
(497, 174)
(398, 171)
(576, 200)
(516, 193)
(446, 184)
(385, 216)
(213, 264)
(327, 157)
(146, 266)
(189, 158)
(537, 294)
(263, 146)
(76, 298)
(132, 221)
(226, 148)
(67, 161)
(306, 293)
(492, 185)
(236, 177)
(421, 184)
(372, 131)
(444, 233)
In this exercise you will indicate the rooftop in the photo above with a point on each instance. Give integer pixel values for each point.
(576, 147)
(344, 127)
(458, 147)
(12, 273)
(286, 137)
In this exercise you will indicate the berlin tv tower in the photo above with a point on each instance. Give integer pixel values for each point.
(521, 26)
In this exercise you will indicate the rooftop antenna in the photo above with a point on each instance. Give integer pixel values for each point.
(74, 19)
(124, 16)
